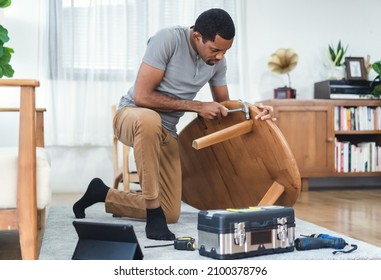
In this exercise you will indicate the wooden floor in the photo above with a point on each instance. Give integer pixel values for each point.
(354, 212)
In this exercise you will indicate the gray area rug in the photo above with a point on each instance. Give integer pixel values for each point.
(60, 238)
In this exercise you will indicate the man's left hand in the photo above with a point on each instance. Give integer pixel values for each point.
(266, 114)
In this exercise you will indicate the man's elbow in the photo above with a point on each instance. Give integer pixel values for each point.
(139, 100)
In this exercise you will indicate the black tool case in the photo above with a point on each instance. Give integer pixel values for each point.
(248, 232)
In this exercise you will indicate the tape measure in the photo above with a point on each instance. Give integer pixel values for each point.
(181, 243)
(185, 243)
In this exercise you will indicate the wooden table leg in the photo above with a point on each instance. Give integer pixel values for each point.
(272, 195)
(223, 135)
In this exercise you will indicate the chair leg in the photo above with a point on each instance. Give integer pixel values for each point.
(28, 241)
(118, 177)
(272, 194)
(126, 174)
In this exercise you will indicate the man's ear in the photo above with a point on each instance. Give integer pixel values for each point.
(197, 35)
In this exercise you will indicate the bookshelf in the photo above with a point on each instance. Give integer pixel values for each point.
(357, 145)
(313, 129)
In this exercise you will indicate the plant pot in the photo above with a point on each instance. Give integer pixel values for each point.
(336, 73)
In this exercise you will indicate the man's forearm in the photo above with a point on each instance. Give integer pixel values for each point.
(161, 102)
(164, 103)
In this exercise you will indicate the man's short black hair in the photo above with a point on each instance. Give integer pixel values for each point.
(215, 22)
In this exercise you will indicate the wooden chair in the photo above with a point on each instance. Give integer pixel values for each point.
(25, 218)
(124, 174)
(237, 162)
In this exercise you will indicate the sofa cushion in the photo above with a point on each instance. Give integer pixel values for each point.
(8, 177)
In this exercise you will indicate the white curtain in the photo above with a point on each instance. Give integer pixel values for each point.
(94, 50)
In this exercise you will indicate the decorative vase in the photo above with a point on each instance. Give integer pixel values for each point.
(336, 73)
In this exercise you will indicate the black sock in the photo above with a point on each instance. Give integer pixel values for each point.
(156, 227)
(96, 192)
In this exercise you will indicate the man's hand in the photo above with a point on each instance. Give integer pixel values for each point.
(212, 110)
(266, 114)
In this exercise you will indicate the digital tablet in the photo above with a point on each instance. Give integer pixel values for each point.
(106, 241)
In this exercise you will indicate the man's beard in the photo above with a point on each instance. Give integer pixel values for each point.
(212, 62)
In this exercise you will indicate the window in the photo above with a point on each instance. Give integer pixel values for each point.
(106, 39)
(90, 39)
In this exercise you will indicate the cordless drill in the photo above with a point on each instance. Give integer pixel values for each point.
(318, 241)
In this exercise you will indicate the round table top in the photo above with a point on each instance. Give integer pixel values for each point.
(237, 172)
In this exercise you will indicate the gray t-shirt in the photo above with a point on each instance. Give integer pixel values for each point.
(186, 73)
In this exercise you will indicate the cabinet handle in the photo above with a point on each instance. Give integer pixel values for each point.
(330, 139)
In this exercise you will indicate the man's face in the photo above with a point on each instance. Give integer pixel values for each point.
(212, 51)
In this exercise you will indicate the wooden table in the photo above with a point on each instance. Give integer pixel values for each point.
(236, 162)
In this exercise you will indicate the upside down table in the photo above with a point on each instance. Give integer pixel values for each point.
(237, 162)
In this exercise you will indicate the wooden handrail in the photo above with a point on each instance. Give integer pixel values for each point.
(19, 83)
(18, 110)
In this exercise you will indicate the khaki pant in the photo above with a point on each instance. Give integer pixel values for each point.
(157, 161)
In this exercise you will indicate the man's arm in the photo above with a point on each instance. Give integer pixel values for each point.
(220, 93)
(147, 96)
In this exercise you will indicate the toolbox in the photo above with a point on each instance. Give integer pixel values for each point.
(246, 232)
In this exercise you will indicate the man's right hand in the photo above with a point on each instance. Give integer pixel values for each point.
(212, 110)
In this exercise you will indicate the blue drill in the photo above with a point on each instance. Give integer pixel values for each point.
(318, 241)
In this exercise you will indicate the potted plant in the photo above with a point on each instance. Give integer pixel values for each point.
(336, 61)
(5, 52)
(337, 54)
(376, 90)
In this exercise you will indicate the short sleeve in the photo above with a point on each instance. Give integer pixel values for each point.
(160, 49)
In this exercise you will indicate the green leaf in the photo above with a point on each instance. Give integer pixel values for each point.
(332, 53)
(5, 58)
(377, 91)
(338, 47)
(5, 52)
(346, 48)
(7, 70)
(338, 63)
(8, 50)
(377, 67)
(5, 3)
(3, 34)
(335, 51)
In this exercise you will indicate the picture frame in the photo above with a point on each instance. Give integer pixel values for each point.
(355, 68)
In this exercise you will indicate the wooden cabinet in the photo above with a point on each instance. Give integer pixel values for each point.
(309, 128)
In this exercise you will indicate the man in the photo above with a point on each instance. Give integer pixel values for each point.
(178, 62)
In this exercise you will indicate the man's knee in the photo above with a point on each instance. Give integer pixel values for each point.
(149, 121)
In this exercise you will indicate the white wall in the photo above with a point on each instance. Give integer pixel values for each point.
(21, 20)
(306, 26)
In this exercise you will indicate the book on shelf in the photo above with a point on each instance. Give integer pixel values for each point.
(357, 118)
(354, 160)
(360, 157)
